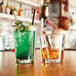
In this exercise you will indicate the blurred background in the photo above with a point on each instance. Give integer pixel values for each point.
(24, 12)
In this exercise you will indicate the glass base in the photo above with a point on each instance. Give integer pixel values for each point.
(24, 61)
(52, 61)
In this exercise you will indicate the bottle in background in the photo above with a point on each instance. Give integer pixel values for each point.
(14, 11)
(30, 12)
(20, 12)
(37, 13)
(7, 8)
(26, 11)
(1, 6)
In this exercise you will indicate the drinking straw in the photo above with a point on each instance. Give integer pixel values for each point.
(47, 39)
(31, 51)
(42, 41)
(33, 16)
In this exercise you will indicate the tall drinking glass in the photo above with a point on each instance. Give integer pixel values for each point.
(25, 44)
(52, 48)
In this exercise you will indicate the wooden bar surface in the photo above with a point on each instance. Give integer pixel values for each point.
(8, 66)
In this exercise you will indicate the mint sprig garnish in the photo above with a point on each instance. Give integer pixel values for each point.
(20, 26)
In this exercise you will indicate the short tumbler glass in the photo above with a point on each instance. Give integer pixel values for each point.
(52, 48)
(24, 41)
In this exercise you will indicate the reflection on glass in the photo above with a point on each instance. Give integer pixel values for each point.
(51, 48)
(24, 45)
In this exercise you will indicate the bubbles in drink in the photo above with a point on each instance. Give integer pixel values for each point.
(23, 34)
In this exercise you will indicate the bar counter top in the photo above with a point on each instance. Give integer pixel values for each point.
(8, 66)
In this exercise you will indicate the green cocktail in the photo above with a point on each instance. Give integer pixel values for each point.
(24, 45)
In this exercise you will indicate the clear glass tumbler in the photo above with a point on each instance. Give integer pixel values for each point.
(52, 48)
(24, 41)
